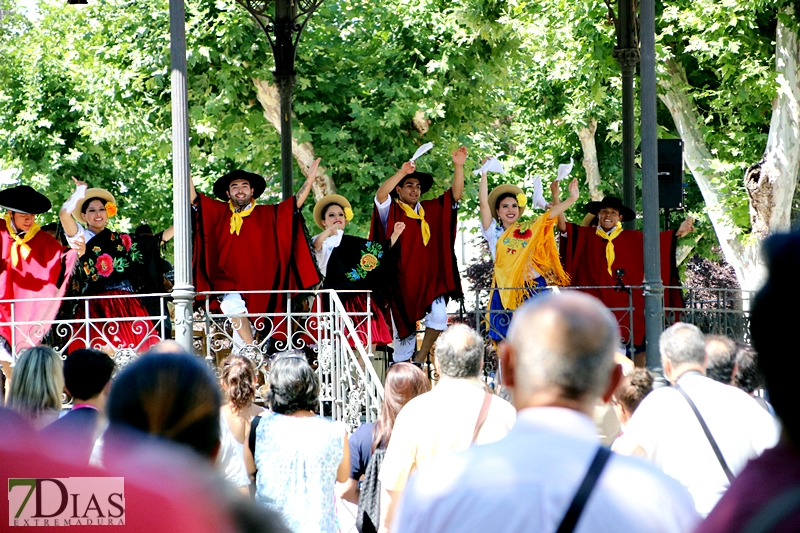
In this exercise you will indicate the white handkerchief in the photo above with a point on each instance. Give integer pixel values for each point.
(492, 165)
(7, 176)
(421, 150)
(538, 194)
(565, 170)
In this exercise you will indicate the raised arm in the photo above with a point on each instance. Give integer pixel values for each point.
(555, 191)
(558, 209)
(168, 234)
(483, 196)
(388, 186)
(322, 237)
(65, 215)
(687, 226)
(459, 158)
(302, 194)
(192, 192)
(399, 228)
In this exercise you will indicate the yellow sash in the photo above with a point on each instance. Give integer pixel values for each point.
(610, 245)
(523, 250)
(409, 211)
(237, 218)
(20, 245)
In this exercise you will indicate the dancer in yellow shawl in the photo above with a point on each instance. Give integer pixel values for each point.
(524, 252)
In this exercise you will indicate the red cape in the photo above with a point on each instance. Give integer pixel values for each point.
(423, 272)
(584, 256)
(45, 274)
(271, 252)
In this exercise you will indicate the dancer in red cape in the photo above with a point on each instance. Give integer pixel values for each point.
(32, 265)
(599, 256)
(240, 246)
(427, 271)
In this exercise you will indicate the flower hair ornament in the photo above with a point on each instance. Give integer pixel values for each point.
(111, 209)
(522, 200)
(348, 214)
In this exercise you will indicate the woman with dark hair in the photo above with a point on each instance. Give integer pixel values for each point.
(297, 457)
(351, 263)
(37, 387)
(524, 252)
(113, 264)
(239, 381)
(368, 443)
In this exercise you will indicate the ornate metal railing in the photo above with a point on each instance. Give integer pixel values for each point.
(336, 343)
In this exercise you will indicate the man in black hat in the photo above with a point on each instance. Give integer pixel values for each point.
(32, 265)
(606, 256)
(427, 271)
(240, 246)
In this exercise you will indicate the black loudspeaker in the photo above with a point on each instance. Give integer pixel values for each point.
(670, 173)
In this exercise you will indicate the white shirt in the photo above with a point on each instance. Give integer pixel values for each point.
(665, 427)
(230, 460)
(82, 236)
(526, 482)
(440, 422)
(324, 253)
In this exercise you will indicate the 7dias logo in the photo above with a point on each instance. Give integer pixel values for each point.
(72, 501)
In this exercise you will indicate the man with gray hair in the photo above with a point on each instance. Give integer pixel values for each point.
(698, 431)
(456, 414)
(550, 473)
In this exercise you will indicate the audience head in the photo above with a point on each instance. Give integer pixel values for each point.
(404, 381)
(169, 396)
(683, 348)
(634, 386)
(87, 372)
(239, 381)
(748, 376)
(38, 384)
(459, 352)
(771, 326)
(560, 352)
(721, 354)
(293, 384)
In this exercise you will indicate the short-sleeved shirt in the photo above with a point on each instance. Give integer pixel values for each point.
(360, 449)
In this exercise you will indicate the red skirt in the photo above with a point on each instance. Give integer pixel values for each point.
(356, 307)
(137, 335)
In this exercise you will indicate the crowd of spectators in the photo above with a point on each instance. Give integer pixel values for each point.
(708, 452)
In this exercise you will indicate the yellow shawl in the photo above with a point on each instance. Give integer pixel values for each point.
(523, 247)
(20, 245)
(237, 219)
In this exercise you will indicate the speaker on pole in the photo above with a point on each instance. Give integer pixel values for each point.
(670, 173)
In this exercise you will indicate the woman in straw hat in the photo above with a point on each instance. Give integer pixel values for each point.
(113, 264)
(351, 263)
(524, 251)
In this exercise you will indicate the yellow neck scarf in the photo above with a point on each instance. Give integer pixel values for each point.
(237, 219)
(20, 244)
(517, 266)
(610, 245)
(409, 211)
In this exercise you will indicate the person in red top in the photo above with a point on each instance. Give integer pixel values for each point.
(605, 255)
(32, 265)
(240, 246)
(427, 272)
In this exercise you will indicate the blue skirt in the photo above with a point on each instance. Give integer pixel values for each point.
(500, 318)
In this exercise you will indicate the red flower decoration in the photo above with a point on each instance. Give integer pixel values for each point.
(522, 234)
(126, 241)
(105, 265)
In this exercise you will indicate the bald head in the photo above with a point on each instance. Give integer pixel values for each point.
(563, 343)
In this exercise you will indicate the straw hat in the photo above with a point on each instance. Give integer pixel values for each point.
(92, 193)
(327, 200)
(501, 190)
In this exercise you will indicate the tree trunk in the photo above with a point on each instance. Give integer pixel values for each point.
(590, 162)
(303, 153)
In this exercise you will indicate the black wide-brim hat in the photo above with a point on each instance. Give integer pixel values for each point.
(257, 183)
(614, 203)
(24, 199)
(425, 181)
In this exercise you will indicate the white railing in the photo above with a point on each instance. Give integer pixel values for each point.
(336, 342)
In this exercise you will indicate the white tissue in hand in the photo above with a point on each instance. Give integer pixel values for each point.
(538, 194)
(421, 150)
(492, 165)
(565, 169)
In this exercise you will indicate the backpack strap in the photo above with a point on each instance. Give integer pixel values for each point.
(709, 436)
(484, 412)
(585, 489)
